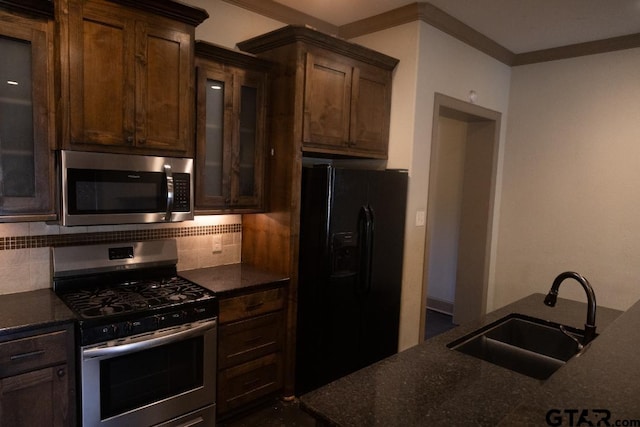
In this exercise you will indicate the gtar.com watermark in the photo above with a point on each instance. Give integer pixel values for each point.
(586, 418)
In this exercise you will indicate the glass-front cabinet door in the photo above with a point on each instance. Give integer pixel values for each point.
(26, 118)
(249, 142)
(213, 157)
(230, 148)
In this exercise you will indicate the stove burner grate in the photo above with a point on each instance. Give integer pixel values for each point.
(133, 296)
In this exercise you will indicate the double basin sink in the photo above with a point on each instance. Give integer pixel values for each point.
(524, 344)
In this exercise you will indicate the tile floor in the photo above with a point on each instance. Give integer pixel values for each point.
(437, 323)
(276, 414)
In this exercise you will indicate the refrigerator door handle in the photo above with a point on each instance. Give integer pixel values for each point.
(365, 245)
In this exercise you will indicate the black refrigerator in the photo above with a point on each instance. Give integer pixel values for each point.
(350, 271)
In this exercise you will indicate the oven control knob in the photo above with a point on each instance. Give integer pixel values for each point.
(109, 331)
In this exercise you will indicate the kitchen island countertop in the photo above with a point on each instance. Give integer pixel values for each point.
(429, 384)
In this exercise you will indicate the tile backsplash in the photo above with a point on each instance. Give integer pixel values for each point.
(25, 259)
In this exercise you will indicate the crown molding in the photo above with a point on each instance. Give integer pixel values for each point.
(580, 49)
(430, 14)
(291, 34)
(182, 12)
(392, 18)
(36, 8)
(446, 23)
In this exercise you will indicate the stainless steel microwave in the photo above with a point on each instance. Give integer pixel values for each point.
(101, 188)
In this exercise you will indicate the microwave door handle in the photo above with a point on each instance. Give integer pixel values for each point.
(170, 194)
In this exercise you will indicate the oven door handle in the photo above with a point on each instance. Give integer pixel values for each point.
(167, 337)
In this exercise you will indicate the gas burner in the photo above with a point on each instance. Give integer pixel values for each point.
(133, 296)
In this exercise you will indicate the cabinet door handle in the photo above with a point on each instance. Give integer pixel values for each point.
(61, 373)
(26, 355)
(130, 140)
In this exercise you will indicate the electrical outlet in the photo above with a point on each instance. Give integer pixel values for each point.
(421, 218)
(217, 243)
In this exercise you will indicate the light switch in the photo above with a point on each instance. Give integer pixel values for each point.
(421, 218)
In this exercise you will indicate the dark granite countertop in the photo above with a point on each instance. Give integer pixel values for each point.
(429, 384)
(607, 377)
(24, 311)
(228, 280)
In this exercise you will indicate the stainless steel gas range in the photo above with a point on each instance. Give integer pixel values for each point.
(146, 336)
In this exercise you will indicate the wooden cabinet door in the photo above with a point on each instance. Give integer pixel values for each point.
(230, 136)
(370, 107)
(27, 125)
(327, 103)
(102, 76)
(346, 107)
(163, 88)
(36, 398)
(131, 80)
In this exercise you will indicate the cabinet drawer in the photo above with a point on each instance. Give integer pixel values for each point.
(244, 383)
(249, 339)
(250, 305)
(30, 353)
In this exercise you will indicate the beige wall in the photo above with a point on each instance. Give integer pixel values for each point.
(445, 65)
(228, 24)
(571, 194)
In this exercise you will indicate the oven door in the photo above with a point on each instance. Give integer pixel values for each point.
(151, 378)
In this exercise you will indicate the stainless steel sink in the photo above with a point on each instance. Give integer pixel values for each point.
(524, 344)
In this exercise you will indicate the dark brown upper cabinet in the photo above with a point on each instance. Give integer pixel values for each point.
(128, 69)
(230, 130)
(345, 91)
(27, 119)
(346, 107)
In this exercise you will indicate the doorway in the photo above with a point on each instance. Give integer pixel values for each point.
(462, 176)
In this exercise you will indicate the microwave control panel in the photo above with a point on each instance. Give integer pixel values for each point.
(181, 192)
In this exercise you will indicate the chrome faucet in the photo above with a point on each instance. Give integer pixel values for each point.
(552, 297)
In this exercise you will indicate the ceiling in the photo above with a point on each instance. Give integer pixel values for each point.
(518, 25)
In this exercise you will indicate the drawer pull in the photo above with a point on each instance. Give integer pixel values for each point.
(194, 422)
(21, 356)
(252, 307)
(251, 383)
(253, 340)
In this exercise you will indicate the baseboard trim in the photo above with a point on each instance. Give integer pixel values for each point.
(435, 304)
